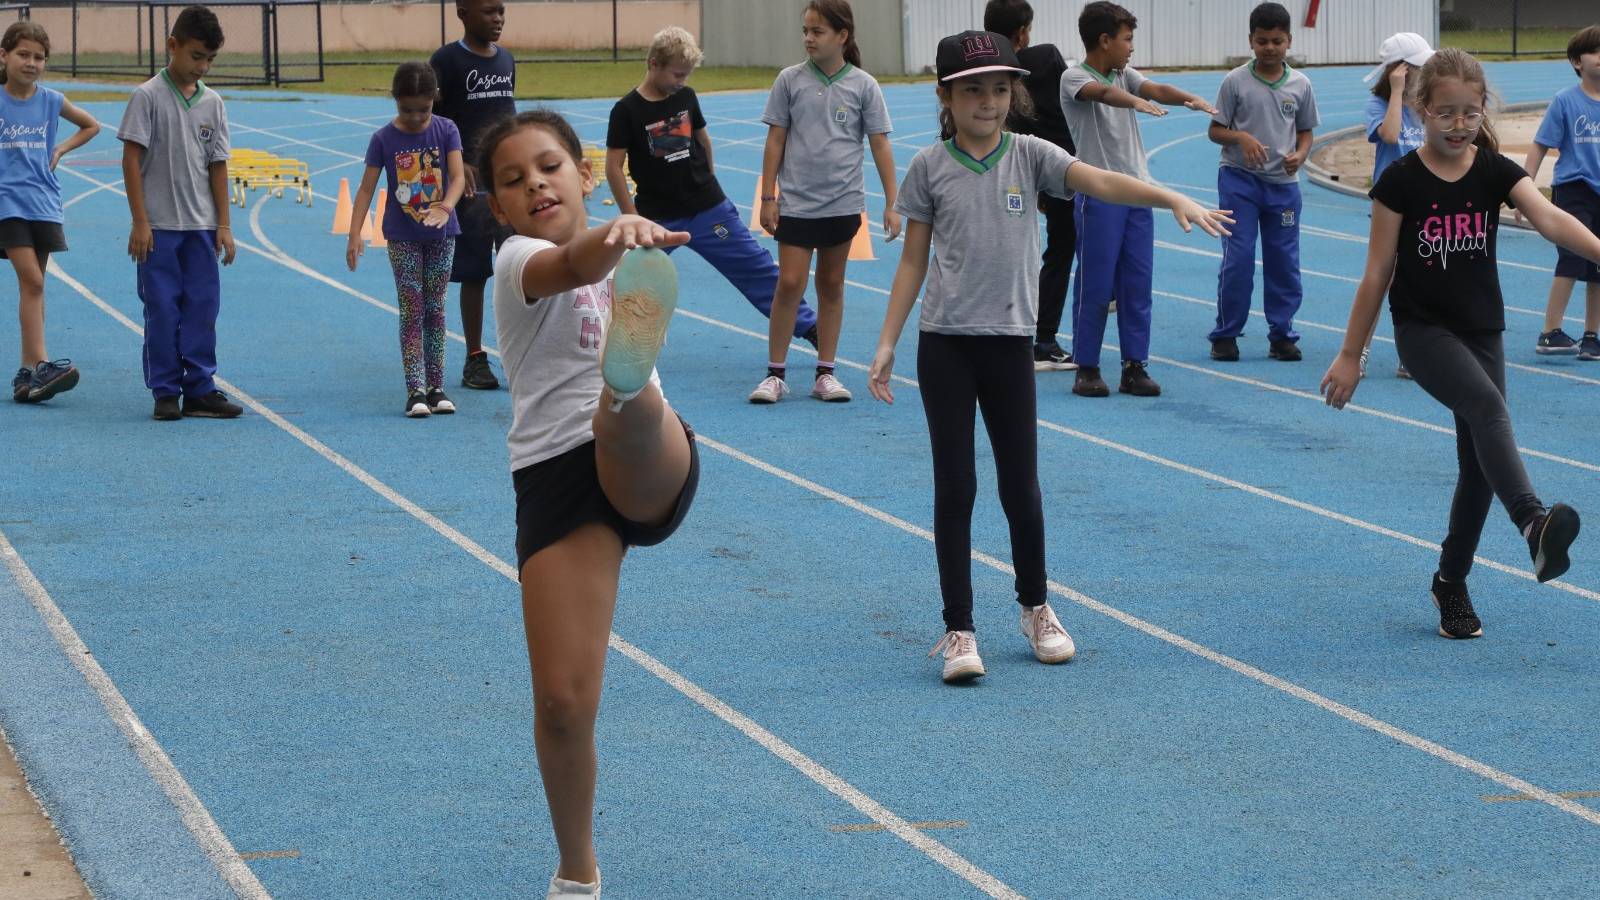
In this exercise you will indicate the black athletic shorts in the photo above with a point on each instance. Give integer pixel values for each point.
(44, 237)
(480, 236)
(816, 234)
(557, 495)
(1578, 198)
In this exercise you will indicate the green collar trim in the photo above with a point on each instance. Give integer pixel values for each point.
(1272, 84)
(188, 102)
(981, 166)
(823, 77)
(1105, 78)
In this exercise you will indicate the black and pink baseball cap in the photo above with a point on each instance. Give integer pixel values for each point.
(973, 53)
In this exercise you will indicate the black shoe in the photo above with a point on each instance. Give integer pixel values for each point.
(51, 378)
(20, 384)
(1285, 350)
(167, 410)
(417, 405)
(439, 404)
(810, 337)
(1548, 540)
(1456, 616)
(477, 375)
(1225, 350)
(1088, 383)
(1136, 380)
(214, 405)
(1049, 357)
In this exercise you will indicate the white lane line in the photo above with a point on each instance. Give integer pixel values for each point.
(813, 770)
(1349, 714)
(1192, 470)
(196, 818)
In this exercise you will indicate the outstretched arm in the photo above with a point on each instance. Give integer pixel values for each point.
(1172, 95)
(1114, 187)
(1557, 225)
(590, 257)
(1111, 95)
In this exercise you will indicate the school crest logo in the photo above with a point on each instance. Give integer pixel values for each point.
(841, 115)
(205, 134)
(1014, 201)
(1287, 106)
(1288, 218)
(720, 231)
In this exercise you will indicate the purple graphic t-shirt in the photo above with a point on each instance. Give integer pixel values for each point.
(417, 166)
(1445, 270)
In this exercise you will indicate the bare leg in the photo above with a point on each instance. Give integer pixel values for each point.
(794, 268)
(1555, 308)
(642, 456)
(830, 299)
(30, 309)
(1591, 311)
(472, 314)
(569, 593)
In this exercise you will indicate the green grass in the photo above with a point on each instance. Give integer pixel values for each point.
(539, 77)
(1495, 43)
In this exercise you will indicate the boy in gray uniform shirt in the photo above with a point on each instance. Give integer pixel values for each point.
(175, 164)
(1265, 113)
(1116, 244)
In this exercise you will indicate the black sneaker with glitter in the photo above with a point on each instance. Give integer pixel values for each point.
(1548, 540)
(1457, 619)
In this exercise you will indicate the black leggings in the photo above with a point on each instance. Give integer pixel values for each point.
(1467, 373)
(961, 374)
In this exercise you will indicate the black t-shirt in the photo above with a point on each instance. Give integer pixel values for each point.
(474, 91)
(1045, 65)
(668, 165)
(1445, 271)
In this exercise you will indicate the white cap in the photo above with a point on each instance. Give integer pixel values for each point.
(1407, 46)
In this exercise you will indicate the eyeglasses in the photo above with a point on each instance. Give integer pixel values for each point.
(1449, 117)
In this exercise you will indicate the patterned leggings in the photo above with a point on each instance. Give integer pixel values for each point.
(421, 277)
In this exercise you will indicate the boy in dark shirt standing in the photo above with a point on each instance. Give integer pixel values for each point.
(1014, 19)
(477, 80)
(659, 129)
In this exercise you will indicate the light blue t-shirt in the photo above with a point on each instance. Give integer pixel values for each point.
(1571, 127)
(28, 189)
(1411, 135)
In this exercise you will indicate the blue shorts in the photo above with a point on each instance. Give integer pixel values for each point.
(480, 237)
(1579, 199)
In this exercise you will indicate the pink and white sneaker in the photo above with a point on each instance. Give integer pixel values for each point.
(961, 660)
(770, 390)
(1051, 643)
(829, 388)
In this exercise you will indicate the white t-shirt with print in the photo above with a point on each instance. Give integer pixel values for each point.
(550, 348)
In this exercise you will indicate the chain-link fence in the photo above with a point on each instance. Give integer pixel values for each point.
(1514, 27)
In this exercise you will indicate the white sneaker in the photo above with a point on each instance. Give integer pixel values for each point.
(961, 660)
(560, 887)
(770, 390)
(1050, 642)
(830, 389)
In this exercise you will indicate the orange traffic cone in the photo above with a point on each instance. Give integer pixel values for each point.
(375, 230)
(755, 211)
(861, 244)
(341, 209)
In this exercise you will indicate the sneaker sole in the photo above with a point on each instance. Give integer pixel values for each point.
(1123, 390)
(1216, 358)
(481, 385)
(1556, 351)
(414, 414)
(161, 418)
(60, 386)
(645, 289)
(831, 398)
(1284, 357)
(1065, 655)
(964, 674)
(1589, 357)
(1054, 366)
(1093, 392)
(1442, 633)
(207, 414)
(763, 401)
(1560, 530)
(442, 410)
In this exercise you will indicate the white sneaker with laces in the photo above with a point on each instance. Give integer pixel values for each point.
(961, 660)
(770, 390)
(1050, 642)
(830, 389)
(560, 887)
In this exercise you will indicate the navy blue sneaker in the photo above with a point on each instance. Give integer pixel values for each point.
(19, 384)
(1555, 342)
(52, 378)
(1589, 347)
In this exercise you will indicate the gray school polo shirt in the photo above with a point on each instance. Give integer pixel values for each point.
(984, 275)
(827, 119)
(181, 138)
(1271, 112)
(1107, 136)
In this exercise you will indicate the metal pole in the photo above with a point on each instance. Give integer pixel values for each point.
(1516, 6)
(269, 34)
(614, 48)
(441, 23)
(74, 38)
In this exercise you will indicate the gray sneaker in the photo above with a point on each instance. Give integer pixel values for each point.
(477, 375)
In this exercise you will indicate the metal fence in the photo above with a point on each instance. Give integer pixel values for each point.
(1518, 28)
(13, 11)
(267, 41)
(368, 33)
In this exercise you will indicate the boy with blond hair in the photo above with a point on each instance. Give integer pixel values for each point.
(659, 129)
